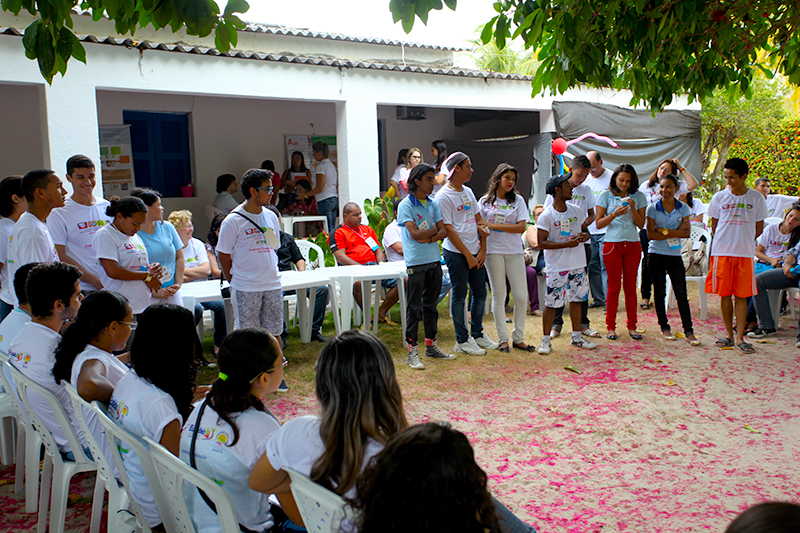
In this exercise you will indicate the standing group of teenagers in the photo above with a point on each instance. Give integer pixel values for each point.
(141, 357)
(597, 230)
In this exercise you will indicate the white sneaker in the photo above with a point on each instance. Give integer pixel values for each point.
(468, 348)
(546, 347)
(485, 343)
(413, 358)
(584, 343)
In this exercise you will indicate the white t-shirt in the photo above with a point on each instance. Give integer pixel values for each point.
(653, 194)
(501, 212)
(30, 242)
(144, 410)
(11, 326)
(699, 208)
(392, 235)
(255, 262)
(459, 209)
(228, 465)
(195, 254)
(329, 188)
(560, 227)
(6, 284)
(74, 226)
(598, 185)
(113, 370)
(130, 253)
(400, 177)
(582, 196)
(32, 352)
(777, 204)
(297, 444)
(736, 216)
(775, 243)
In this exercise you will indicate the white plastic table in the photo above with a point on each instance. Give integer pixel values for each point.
(347, 275)
(207, 291)
(288, 222)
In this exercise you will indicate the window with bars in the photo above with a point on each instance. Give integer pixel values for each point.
(160, 143)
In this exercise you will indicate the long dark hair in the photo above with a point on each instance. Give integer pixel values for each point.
(216, 224)
(402, 488)
(632, 188)
(97, 311)
(768, 517)
(654, 178)
(441, 153)
(494, 182)
(302, 162)
(166, 352)
(360, 399)
(795, 238)
(244, 355)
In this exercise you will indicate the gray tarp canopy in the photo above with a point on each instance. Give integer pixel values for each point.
(644, 140)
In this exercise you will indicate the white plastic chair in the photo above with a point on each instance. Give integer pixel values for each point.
(211, 212)
(305, 248)
(57, 471)
(321, 509)
(696, 233)
(117, 497)
(8, 415)
(172, 473)
(29, 445)
(122, 441)
(775, 297)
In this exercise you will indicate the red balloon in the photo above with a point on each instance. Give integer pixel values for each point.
(559, 146)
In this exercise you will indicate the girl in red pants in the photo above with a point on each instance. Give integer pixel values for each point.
(622, 208)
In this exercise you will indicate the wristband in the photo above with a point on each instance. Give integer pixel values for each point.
(148, 277)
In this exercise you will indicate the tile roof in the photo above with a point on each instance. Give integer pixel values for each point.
(286, 58)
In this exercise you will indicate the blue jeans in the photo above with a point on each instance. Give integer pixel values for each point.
(598, 279)
(461, 276)
(330, 208)
(5, 309)
(770, 280)
(507, 521)
(217, 307)
(320, 303)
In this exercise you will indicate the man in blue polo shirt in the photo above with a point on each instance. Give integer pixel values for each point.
(422, 228)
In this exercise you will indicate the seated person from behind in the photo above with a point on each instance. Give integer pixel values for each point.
(355, 244)
(288, 255)
(226, 186)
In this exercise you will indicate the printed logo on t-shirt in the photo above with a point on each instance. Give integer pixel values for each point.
(736, 206)
(23, 358)
(119, 409)
(578, 198)
(92, 224)
(221, 437)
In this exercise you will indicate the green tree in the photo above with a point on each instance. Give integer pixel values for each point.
(774, 155)
(654, 48)
(509, 60)
(51, 41)
(726, 120)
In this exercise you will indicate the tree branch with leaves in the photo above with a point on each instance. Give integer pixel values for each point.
(50, 39)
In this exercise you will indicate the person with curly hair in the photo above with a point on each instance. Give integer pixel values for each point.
(429, 461)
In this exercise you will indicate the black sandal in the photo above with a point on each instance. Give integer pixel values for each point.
(635, 335)
(525, 348)
(505, 348)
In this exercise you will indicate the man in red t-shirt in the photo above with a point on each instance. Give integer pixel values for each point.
(355, 244)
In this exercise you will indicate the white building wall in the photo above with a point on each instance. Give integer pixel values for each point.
(21, 131)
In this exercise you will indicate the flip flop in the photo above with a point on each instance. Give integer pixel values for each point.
(644, 306)
(504, 348)
(611, 336)
(695, 342)
(386, 321)
(636, 336)
(723, 342)
(745, 347)
(589, 332)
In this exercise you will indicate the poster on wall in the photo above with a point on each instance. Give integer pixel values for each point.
(303, 144)
(116, 155)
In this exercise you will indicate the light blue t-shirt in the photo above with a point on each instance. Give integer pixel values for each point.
(425, 217)
(671, 220)
(162, 247)
(621, 229)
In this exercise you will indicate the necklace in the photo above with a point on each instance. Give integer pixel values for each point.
(247, 208)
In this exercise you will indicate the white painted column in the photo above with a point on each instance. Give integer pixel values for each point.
(357, 143)
(69, 124)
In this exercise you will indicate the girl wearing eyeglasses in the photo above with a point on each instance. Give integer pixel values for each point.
(227, 433)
